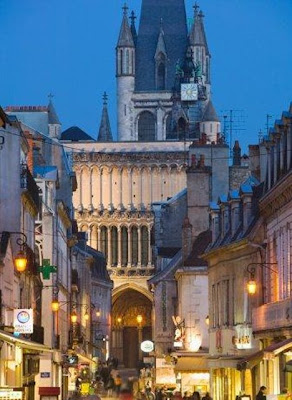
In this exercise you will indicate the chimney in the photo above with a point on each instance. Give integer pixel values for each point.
(236, 153)
(187, 238)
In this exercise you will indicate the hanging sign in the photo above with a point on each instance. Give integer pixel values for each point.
(147, 346)
(242, 340)
(23, 320)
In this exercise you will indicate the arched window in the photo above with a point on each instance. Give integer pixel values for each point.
(127, 62)
(146, 127)
(168, 128)
(114, 246)
(134, 245)
(182, 125)
(124, 246)
(161, 76)
(104, 242)
(145, 244)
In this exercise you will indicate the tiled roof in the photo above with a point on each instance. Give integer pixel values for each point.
(53, 117)
(125, 37)
(75, 134)
(172, 15)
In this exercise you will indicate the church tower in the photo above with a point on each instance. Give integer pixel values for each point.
(125, 73)
(163, 95)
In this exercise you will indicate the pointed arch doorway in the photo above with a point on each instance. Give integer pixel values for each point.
(128, 332)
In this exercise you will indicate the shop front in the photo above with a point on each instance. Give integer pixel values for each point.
(19, 366)
(192, 373)
(225, 378)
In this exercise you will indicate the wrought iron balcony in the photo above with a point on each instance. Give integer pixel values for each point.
(28, 183)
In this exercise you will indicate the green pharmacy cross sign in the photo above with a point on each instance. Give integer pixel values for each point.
(46, 269)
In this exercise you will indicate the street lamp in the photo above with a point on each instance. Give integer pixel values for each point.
(251, 284)
(20, 261)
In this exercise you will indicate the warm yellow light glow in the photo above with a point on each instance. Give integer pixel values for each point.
(86, 316)
(74, 317)
(20, 262)
(251, 286)
(55, 305)
(195, 343)
(207, 320)
(98, 313)
(139, 319)
(119, 320)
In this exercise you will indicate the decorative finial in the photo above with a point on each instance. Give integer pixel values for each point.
(105, 98)
(50, 96)
(196, 8)
(201, 14)
(125, 9)
(133, 17)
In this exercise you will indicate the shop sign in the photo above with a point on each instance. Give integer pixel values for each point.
(179, 332)
(242, 339)
(147, 346)
(23, 320)
(45, 374)
(10, 394)
(85, 388)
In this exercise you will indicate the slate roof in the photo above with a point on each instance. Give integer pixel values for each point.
(197, 34)
(46, 172)
(75, 134)
(200, 245)
(172, 13)
(209, 113)
(105, 132)
(52, 115)
(125, 36)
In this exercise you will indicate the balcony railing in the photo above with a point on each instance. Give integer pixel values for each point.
(27, 182)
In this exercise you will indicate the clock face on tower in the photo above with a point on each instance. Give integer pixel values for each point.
(189, 92)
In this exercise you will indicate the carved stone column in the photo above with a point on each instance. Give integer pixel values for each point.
(109, 246)
(130, 188)
(110, 189)
(139, 247)
(120, 205)
(94, 237)
(151, 186)
(129, 247)
(90, 206)
(141, 206)
(99, 239)
(119, 246)
(149, 247)
(100, 175)
(80, 206)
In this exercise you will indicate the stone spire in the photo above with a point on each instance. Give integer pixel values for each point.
(173, 15)
(105, 133)
(52, 115)
(197, 35)
(161, 47)
(125, 37)
(210, 113)
(133, 27)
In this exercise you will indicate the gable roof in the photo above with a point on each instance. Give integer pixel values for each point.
(75, 134)
(200, 245)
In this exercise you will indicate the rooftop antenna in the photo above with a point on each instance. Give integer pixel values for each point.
(233, 123)
(268, 118)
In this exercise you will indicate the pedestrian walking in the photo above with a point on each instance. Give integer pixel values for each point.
(207, 396)
(262, 393)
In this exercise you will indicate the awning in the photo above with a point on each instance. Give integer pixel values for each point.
(250, 361)
(85, 358)
(191, 364)
(277, 348)
(23, 343)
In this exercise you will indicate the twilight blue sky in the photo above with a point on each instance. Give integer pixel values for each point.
(68, 47)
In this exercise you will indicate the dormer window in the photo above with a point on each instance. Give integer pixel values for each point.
(160, 71)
